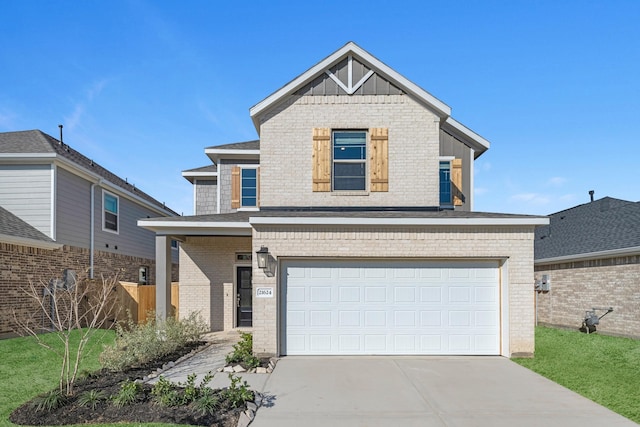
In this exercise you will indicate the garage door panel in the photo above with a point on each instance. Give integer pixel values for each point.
(396, 308)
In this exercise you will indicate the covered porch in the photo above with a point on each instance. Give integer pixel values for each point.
(216, 268)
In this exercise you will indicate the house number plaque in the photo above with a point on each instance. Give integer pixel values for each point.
(264, 292)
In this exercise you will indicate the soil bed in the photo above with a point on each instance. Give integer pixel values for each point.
(142, 411)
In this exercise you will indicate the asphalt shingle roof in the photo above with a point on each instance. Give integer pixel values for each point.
(11, 225)
(210, 168)
(601, 225)
(243, 216)
(36, 141)
(247, 145)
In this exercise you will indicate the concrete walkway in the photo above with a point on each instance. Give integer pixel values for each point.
(421, 391)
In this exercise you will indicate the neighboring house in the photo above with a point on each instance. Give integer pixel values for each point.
(61, 210)
(589, 256)
(359, 199)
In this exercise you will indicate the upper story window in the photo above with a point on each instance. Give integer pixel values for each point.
(445, 183)
(249, 196)
(244, 187)
(349, 160)
(110, 212)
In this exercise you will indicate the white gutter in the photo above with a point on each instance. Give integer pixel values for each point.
(590, 255)
(265, 220)
(197, 228)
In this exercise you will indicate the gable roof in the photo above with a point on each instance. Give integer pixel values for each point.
(247, 145)
(16, 231)
(237, 151)
(32, 143)
(440, 108)
(603, 227)
(210, 172)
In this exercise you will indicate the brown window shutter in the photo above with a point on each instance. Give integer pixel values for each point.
(257, 187)
(235, 187)
(321, 159)
(456, 182)
(379, 163)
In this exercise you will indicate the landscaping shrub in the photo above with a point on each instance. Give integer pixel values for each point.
(243, 352)
(138, 344)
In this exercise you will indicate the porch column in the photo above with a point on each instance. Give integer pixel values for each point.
(163, 277)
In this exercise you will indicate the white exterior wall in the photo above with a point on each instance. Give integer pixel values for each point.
(27, 192)
(512, 245)
(286, 149)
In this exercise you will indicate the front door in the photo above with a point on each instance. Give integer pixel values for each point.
(244, 305)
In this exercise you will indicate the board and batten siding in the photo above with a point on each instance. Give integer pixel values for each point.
(25, 191)
(451, 147)
(73, 209)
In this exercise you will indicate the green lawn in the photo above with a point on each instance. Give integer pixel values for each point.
(28, 369)
(602, 368)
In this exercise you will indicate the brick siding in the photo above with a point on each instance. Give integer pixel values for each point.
(579, 286)
(20, 265)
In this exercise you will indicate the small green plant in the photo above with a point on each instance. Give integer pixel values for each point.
(49, 401)
(129, 391)
(165, 393)
(243, 352)
(238, 392)
(92, 398)
(208, 402)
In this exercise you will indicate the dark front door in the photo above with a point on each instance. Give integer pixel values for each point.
(244, 305)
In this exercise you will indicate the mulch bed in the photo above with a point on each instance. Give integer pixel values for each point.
(142, 411)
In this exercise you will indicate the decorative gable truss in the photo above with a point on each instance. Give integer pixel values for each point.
(350, 77)
(378, 167)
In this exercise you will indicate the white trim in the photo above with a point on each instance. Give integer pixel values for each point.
(20, 156)
(194, 174)
(472, 182)
(54, 204)
(24, 241)
(197, 228)
(296, 220)
(440, 108)
(117, 230)
(446, 158)
(590, 255)
(248, 209)
(505, 316)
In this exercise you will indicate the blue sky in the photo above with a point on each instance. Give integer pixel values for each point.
(142, 87)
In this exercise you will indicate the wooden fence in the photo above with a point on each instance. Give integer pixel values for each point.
(140, 299)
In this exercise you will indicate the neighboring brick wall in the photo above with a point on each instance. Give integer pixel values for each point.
(286, 149)
(579, 286)
(20, 265)
(206, 263)
(509, 244)
(206, 195)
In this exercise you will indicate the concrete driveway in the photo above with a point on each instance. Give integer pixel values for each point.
(421, 391)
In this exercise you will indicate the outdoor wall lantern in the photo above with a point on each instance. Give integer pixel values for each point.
(266, 262)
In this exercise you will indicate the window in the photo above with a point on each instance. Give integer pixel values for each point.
(174, 244)
(445, 183)
(249, 188)
(349, 160)
(110, 212)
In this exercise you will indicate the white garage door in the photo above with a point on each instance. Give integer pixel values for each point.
(358, 307)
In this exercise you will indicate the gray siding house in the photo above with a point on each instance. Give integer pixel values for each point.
(348, 228)
(68, 212)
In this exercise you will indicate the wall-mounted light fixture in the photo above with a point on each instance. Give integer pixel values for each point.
(266, 262)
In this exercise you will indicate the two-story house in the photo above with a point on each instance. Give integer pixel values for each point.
(61, 210)
(348, 228)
